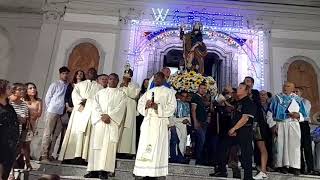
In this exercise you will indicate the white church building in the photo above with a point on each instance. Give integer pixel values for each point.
(270, 40)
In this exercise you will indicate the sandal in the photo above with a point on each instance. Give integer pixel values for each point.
(29, 167)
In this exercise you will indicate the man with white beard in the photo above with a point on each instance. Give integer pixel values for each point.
(127, 141)
(156, 105)
(107, 115)
(77, 137)
(285, 112)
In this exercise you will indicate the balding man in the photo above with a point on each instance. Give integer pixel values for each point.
(167, 72)
(286, 110)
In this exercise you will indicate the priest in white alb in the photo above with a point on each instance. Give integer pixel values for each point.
(285, 112)
(107, 116)
(156, 105)
(127, 141)
(77, 137)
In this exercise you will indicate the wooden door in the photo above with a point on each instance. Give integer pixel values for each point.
(83, 57)
(303, 75)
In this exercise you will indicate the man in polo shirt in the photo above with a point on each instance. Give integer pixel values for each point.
(242, 129)
(199, 117)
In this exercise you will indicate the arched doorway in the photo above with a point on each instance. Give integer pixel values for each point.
(304, 76)
(212, 63)
(83, 56)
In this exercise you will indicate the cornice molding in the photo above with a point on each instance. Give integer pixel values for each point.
(261, 16)
(209, 4)
(90, 27)
(295, 43)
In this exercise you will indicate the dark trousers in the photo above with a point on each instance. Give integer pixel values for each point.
(175, 154)
(306, 147)
(200, 136)
(139, 122)
(212, 149)
(244, 140)
(225, 144)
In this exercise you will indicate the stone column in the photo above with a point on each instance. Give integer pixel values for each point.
(45, 51)
(41, 71)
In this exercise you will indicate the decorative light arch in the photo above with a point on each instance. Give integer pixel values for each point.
(248, 45)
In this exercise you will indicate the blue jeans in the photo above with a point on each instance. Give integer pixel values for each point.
(200, 137)
(174, 147)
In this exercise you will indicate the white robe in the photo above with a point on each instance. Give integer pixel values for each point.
(102, 154)
(181, 132)
(127, 142)
(77, 137)
(152, 155)
(287, 143)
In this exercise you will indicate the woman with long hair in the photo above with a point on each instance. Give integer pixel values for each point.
(22, 110)
(78, 77)
(9, 131)
(35, 108)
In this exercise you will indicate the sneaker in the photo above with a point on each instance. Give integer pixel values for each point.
(261, 175)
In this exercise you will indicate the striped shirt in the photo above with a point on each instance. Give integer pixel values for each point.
(21, 110)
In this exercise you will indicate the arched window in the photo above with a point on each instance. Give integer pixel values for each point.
(83, 56)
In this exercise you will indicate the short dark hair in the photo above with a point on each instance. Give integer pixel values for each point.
(247, 88)
(15, 86)
(3, 86)
(27, 97)
(115, 75)
(63, 69)
(234, 90)
(251, 78)
(182, 92)
(202, 84)
(102, 75)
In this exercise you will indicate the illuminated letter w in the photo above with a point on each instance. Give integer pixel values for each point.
(158, 16)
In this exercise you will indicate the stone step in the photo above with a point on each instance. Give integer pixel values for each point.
(124, 175)
(124, 171)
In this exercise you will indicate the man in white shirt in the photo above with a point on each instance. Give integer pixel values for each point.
(55, 105)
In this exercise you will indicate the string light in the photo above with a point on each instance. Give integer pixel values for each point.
(146, 36)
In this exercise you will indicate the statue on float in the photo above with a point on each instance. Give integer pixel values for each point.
(191, 73)
(194, 49)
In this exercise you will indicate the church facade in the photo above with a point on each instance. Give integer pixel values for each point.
(271, 42)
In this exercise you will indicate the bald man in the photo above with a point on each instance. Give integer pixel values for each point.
(167, 72)
(285, 112)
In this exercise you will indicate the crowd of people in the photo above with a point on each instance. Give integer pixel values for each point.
(99, 118)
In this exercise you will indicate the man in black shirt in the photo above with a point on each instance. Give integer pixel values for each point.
(242, 118)
(253, 93)
(199, 117)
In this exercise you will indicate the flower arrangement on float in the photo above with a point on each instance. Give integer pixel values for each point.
(190, 81)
